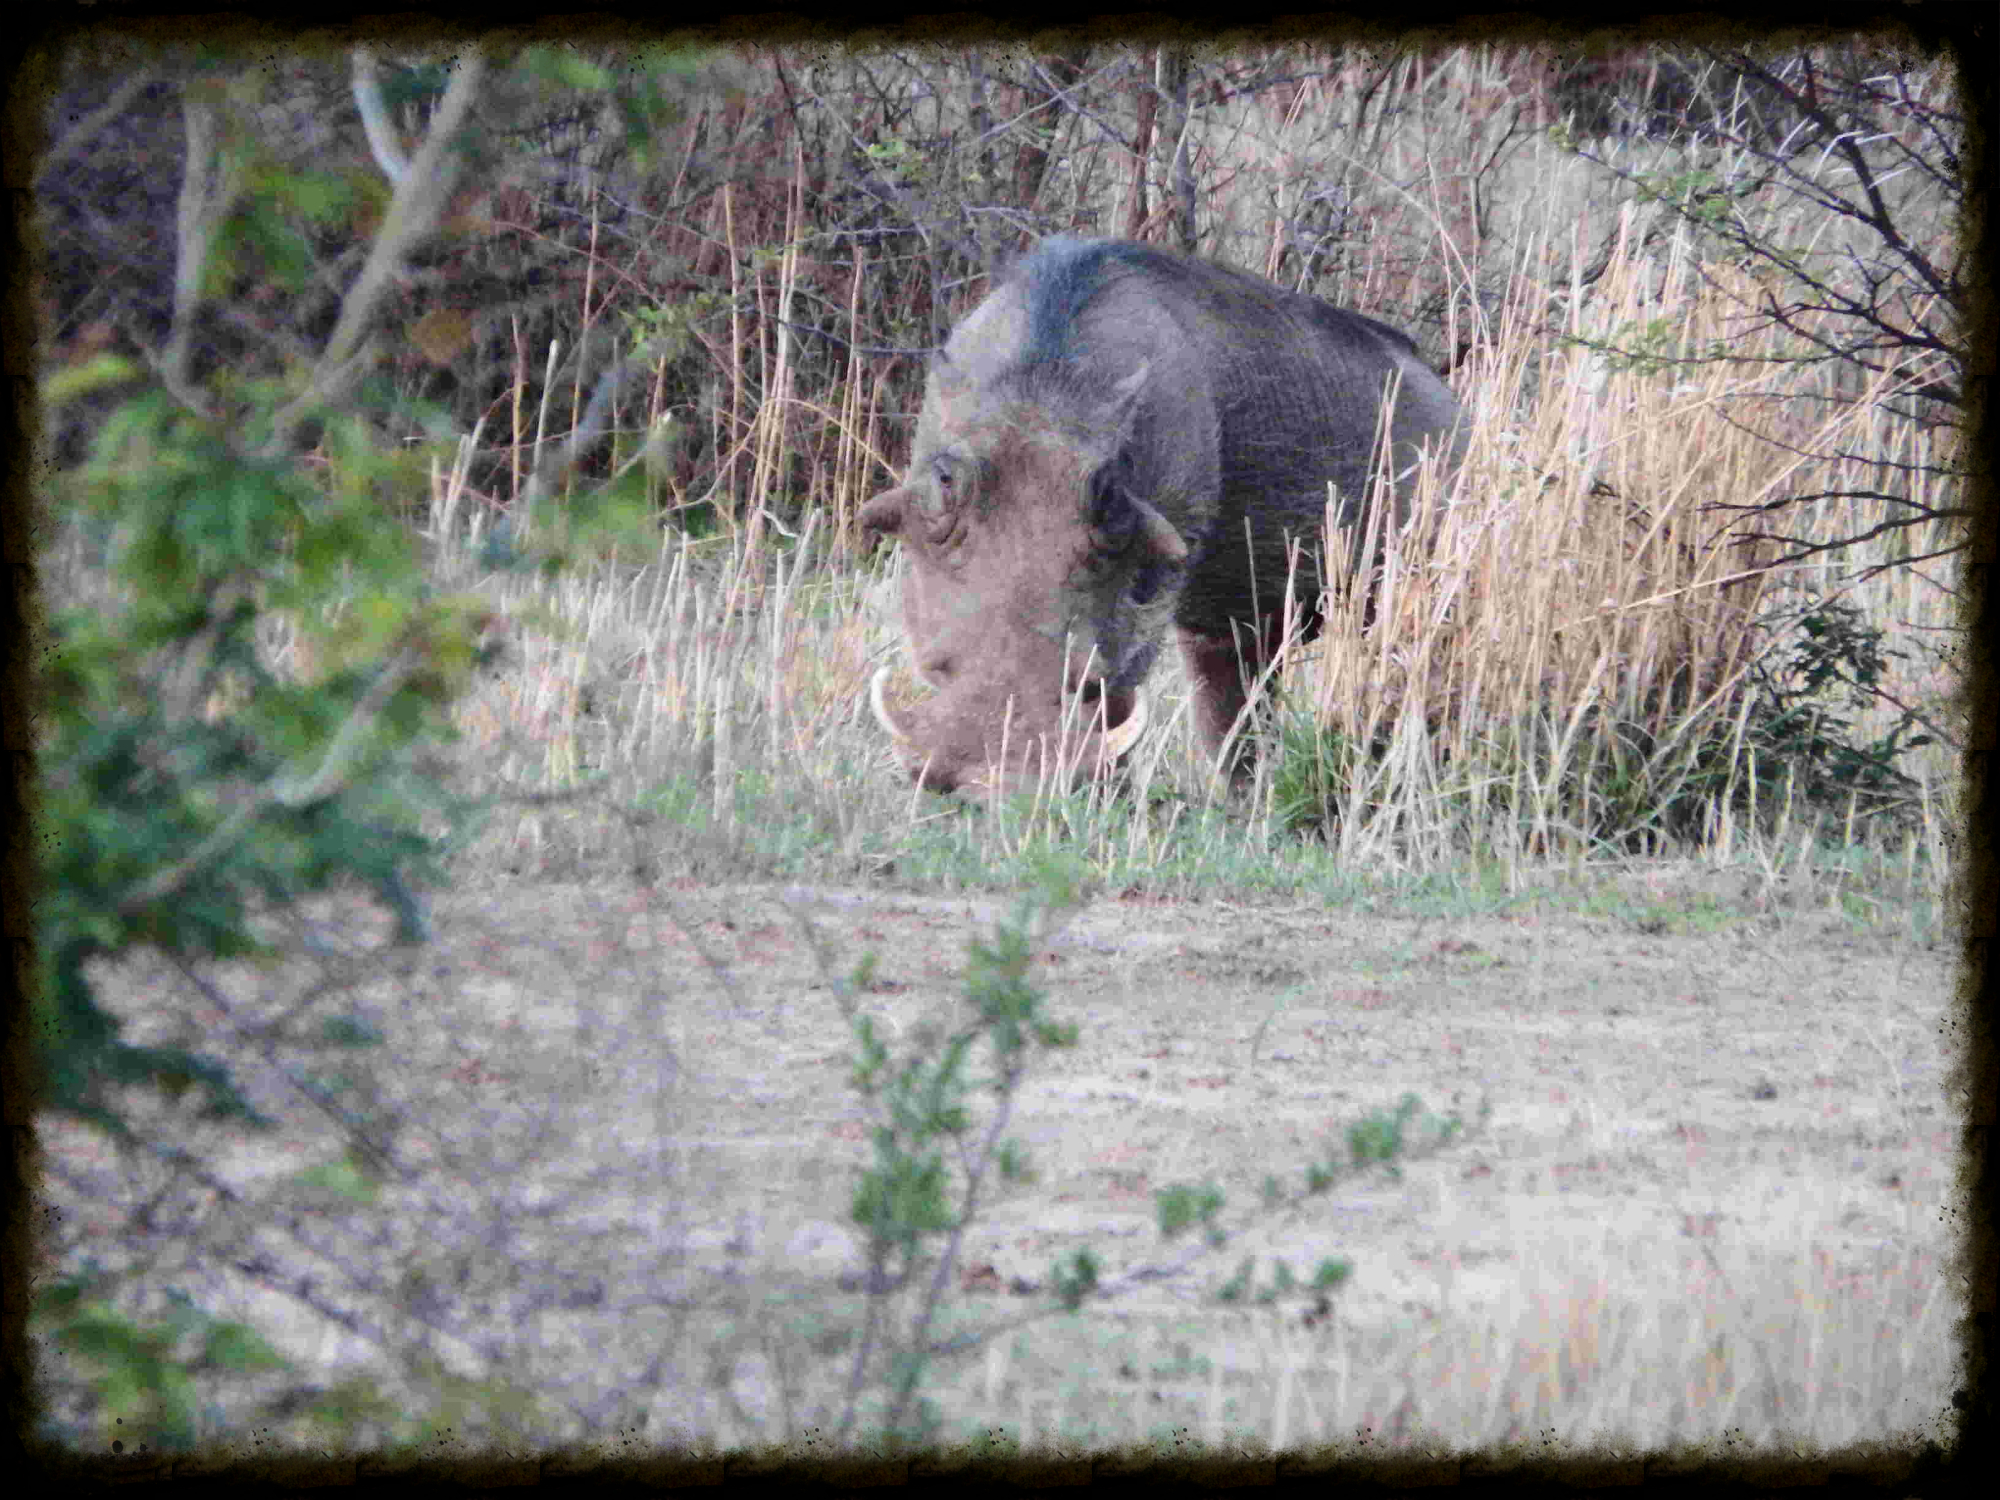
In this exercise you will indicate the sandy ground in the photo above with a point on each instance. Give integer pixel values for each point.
(610, 1105)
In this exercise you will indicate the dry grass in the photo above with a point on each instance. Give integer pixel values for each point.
(1561, 662)
(1634, 1359)
(1561, 646)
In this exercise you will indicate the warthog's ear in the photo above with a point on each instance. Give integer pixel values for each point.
(1117, 517)
(1158, 532)
(1125, 399)
(884, 514)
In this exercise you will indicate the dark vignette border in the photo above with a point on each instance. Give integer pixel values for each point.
(1966, 30)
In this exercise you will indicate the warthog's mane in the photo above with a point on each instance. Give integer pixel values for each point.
(1058, 281)
(1062, 278)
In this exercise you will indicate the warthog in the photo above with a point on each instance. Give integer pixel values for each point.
(1116, 438)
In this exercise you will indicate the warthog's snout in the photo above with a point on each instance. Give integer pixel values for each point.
(940, 765)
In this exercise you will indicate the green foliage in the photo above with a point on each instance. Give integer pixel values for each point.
(345, 1178)
(1649, 349)
(892, 157)
(1699, 194)
(230, 716)
(1384, 1136)
(1179, 1208)
(263, 246)
(666, 330)
(352, 1412)
(596, 524)
(1632, 780)
(922, 1100)
(1797, 739)
(185, 780)
(1802, 728)
(1312, 772)
(917, 1192)
(1242, 1288)
(420, 84)
(647, 88)
(565, 67)
(143, 1379)
(1074, 1279)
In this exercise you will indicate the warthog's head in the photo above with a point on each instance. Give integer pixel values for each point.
(1036, 584)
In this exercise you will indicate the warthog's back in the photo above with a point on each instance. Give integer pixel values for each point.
(1256, 399)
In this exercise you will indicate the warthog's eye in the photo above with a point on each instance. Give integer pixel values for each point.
(944, 500)
(929, 488)
(945, 475)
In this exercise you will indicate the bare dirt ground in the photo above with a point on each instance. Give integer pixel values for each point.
(620, 1102)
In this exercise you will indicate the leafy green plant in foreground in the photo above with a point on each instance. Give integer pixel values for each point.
(149, 1377)
(184, 779)
(190, 782)
(233, 719)
(935, 1152)
(911, 1193)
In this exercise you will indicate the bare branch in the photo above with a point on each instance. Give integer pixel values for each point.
(413, 214)
(382, 142)
(92, 125)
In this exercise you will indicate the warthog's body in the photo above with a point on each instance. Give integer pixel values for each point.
(1116, 439)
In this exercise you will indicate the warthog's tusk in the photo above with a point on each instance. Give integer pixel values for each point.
(879, 702)
(1126, 735)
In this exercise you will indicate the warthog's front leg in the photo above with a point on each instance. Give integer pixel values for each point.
(1221, 675)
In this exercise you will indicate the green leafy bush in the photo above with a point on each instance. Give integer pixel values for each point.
(186, 778)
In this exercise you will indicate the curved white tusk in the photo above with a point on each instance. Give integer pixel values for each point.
(879, 702)
(1121, 739)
